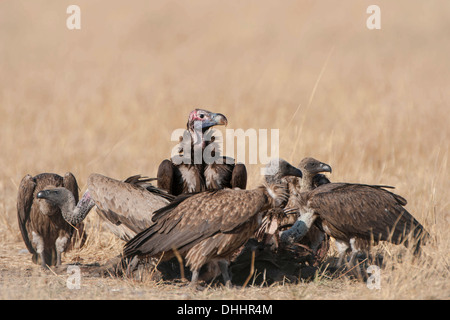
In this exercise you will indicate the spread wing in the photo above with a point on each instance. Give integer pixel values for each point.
(144, 182)
(24, 203)
(124, 205)
(195, 219)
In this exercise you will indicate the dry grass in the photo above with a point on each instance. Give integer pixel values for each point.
(372, 104)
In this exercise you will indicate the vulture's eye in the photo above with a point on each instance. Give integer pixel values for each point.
(202, 116)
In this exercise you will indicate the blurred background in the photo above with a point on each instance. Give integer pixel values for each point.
(374, 104)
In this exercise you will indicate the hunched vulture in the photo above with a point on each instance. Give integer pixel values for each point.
(126, 206)
(45, 232)
(357, 215)
(208, 226)
(194, 169)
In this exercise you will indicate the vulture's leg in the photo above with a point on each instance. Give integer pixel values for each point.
(351, 262)
(194, 278)
(354, 252)
(58, 257)
(342, 248)
(61, 243)
(223, 265)
(165, 176)
(132, 265)
(43, 262)
(322, 249)
(39, 242)
(239, 177)
(318, 238)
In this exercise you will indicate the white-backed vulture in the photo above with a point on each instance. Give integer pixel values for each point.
(312, 178)
(357, 215)
(315, 241)
(189, 172)
(208, 226)
(310, 169)
(45, 233)
(125, 206)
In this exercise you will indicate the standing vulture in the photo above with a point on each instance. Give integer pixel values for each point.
(315, 241)
(208, 226)
(356, 215)
(45, 233)
(125, 206)
(190, 172)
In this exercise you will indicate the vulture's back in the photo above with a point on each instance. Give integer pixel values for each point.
(39, 216)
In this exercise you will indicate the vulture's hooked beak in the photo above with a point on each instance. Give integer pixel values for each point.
(293, 171)
(323, 167)
(44, 194)
(215, 119)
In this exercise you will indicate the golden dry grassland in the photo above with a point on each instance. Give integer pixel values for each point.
(374, 104)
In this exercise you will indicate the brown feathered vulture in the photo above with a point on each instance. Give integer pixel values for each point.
(312, 177)
(357, 215)
(194, 169)
(45, 232)
(208, 226)
(126, 207)
(315, 241)
(311, 169)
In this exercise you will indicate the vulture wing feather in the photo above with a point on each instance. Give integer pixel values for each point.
(362, 210)
(124, 203)
(165, 176)
(239, 176)
(70, 183)
(24, 203)
(197, 218)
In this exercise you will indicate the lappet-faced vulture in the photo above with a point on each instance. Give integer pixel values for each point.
(199, 166)
(357, 215)
(45, 232)
(208, 226)
(125, 206)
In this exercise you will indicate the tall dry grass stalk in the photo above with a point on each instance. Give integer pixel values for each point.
(372, 104)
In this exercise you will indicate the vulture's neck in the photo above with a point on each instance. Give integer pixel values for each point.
(301, 200)
(200, 139)
(276, 178)
(276, 194)
(306, 183)
(74, 214)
